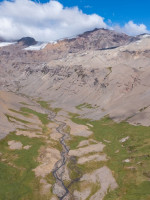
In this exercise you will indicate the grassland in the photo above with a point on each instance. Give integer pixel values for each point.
(133, 177)
(17, 178)
(42, 117)
(85, 105)
(47, 106)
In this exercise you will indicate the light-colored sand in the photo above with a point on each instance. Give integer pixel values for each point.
(14, 145)
(83, 143)
(78, 130)
(104, 177)
(52, 125)
(66, 174)
(48, 157)
(86, 142)
(27, 147)
(88, 149)
(82, 195)
(54, 198)
(55, 136)
(28, 134)
(75, 129)
(95, 157)
(45, 187)
(53, 133)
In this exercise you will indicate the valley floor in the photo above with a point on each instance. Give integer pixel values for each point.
(92, 160)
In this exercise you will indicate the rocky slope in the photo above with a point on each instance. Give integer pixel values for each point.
(94, 72)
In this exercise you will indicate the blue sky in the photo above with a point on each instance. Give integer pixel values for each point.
(56, 19)
(118, 11)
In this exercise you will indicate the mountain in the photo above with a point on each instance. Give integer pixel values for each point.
(99, 60)
(27, 41)
(76, 114)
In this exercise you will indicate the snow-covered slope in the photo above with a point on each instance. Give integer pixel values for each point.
(3, 44)
(36, 47)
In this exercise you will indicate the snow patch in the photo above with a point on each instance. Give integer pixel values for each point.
(146, 36)
(4, 44)
(36, 47)
(53, 42)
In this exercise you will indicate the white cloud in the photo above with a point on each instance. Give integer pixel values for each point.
(131, 28)
(51, 21)
(134, 29)
(44, 22)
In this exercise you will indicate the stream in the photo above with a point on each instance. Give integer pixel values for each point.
(59, 187)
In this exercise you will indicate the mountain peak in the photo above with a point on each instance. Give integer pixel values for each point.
(27, 41)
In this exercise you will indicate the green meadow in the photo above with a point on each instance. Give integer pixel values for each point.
(133, 178)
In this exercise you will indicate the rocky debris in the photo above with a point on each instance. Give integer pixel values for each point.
(27, 147)
(82, 195)
(66, 174)
(55, 135)
(54, 198)
(94, 158)
(48, 157)
(78, 130)
(90, 125)
(124, 139)
(104, 177)
(107, 141)
(86, 142)
(94, 148)
(45, 70)
(29, 70)
(29, 134)
(75, 129)
(127, 161)
(131, 168)
(15, 145)
(45, 187)
(8, 101)
(59, 190)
